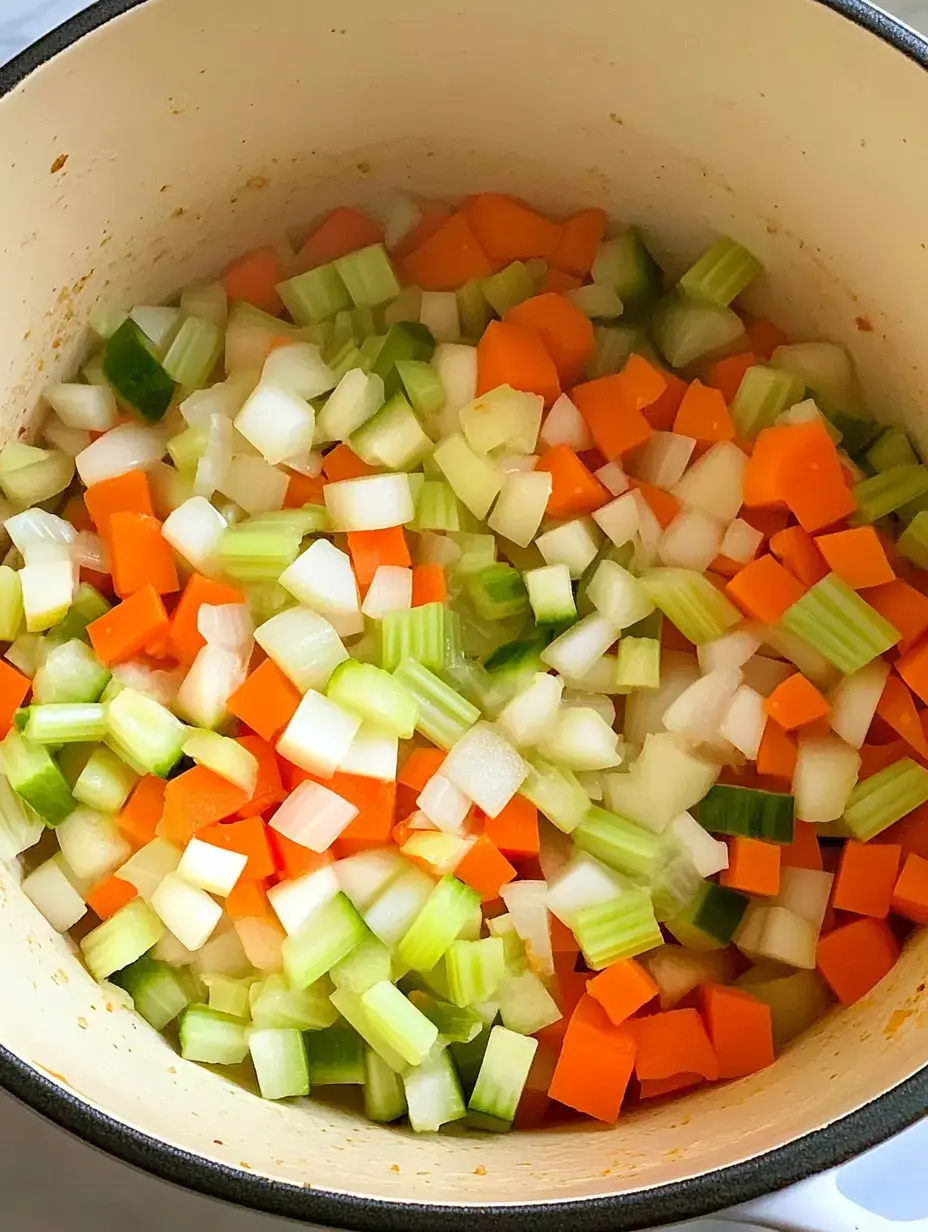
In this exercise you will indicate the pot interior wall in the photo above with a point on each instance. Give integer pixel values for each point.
(186, 130)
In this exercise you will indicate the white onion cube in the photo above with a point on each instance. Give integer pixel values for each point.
(49, 889)
(313, 816)
(390, 591)
(211, 868)
(295, 902)
(323, 579)
(744, 721)
(319, 735)
(278, 422)
(485, 767)
(445, 805)
(189, 912)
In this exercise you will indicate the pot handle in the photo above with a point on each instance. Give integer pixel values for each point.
(880, 1191)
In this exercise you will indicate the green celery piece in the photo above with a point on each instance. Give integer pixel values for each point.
(474, 970)
(443, 715)
(193, 354)
(121, 940)
(721, 273)
(446, 911)
(748, 812)
(497, 591)
(763, 394)
(913, 542)
(405, 340)
(436, 507)
(314, 296)
(837, 622)
(892, 448)
(158, 991)
(886, 797)
(508, 288)
(384, 1096)
(133, 369)
(211, 1037)
(457, 1024)
(11, 604)
(501, 1080)
(35, 777)
(890, 490)
(374, 694)
(335, 1055)
(423, 386)
(330, 935)
(258, 551)
(66, 723)
(405, 1028)
(87, 606)
(684, 329)
(369, 276)
(690, 601)
(279, 1059)
(712, 918)
(616, 929)
(619, 843)
(418, 633)
(473, 309)
(639, 663)
(624, 264)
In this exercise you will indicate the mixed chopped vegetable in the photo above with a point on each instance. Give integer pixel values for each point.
(452, 662)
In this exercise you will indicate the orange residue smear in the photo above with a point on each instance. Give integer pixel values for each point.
(897, 1019)
(480, 1170)
(57, 1077)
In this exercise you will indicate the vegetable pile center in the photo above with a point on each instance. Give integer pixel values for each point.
(452, 663)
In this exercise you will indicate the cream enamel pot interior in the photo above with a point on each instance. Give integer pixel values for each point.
(176, 133)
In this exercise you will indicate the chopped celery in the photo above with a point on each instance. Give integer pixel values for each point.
(721, 273)
(36, 778)
(423, 386)
(892, 448)
(375, 695)
(367, 964)
(160, 992)
(890, 490)
(556, 793)
(405, 340)
(711, 919)
(501, 1079)
(144, 732)
(457, 1024)
(474, 970)
(348, 1004)
(433, 1094)
(418, 633)
(749, 812)
(66, 723)
(639, 663)
(87, 606)
(121, 940)
(685, 330)
(550, 594)
(475, 479)
(193, 354)
(187, 448)
(763, 394)
(616, 929)
(227, 994)
(384, 1096)
(211, 1037)
(509, 287)
(403, 1027)
(70, 673)
(436, 507)
(369, 276)
(279, 1057)
(258, 551)
(618, 843)
(336, 1056)
(274, 1003)
(624, 264)
(497, 591)
(913, 542)
(690, 601)
(836, 621)
(392, 437)
(438, 924)
(315, 296)
(11, 604)
(473, 309)
(885, 797)
(477, 552)
(135, 373)
(330, 934)
(443, 715)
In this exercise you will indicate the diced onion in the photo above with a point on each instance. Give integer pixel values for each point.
(125, 448)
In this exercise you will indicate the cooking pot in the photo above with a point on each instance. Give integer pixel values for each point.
(143, 144)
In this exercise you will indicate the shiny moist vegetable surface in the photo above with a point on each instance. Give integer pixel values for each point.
(454, 662)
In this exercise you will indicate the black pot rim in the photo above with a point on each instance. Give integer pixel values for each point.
(688, 1199)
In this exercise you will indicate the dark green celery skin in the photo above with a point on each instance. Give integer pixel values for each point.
(749, 812)
(720, 912)
(135, 374)
(405, 340)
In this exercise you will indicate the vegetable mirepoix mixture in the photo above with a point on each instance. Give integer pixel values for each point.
(468, 668)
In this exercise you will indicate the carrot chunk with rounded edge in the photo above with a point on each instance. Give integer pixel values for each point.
(613, 406)
(515, 829)
(866, 877)
(764, 589)
(796, 551)
(428, 585)
(903, 606)
(897, 708)
(913, 668)
(740, 1028)
(141, 813)
(507, 354)
(777, 754)
(448, 258)
(674, 1042)
(803, 851)
(703, 415)
(266, 702)
(725, 374)
(419, 767)
(566, 333)
(910, 893)
(556, 280)
(856, 556)
(195, 799)
(128, 628)
(854, 957)
(432, 217)
(342, 231)
(507, 230)
(369, 549)
(140, 555)
(247, 900)
(13, 689)
(753, 866)
(254, 278)
(303, 490)
(595, 1063)
(795, 702)
(764, 338)
(580, 237)
(343, 463)
(108, 896)
(662, 411)
(622, 989)
(129, 493)
(485, 869)
(186, 639)
(249, 837)
(575, 492)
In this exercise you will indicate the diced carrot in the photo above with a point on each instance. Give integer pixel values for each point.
(911, 833)
(803, 851)
(777, 754)
(753, 866)
(764, 590)
(595, 1063)
(663, 505)
(764, 338)
(269, 791)
(343, 463)
(128, 628)
(613, 407)
(876, 757)
(812, 482)
(761, 481)
(428, 585)
(342, 231)
(903, 606)
(866, 877)
(432, 217)
(507, 354)
(740, 1027)
(562, 939)
(419, 767)
(13, 689)
(141, 813)
(796, 702)
(703, 415)
(303, 490)
(293, 860)
(796, 551)
(186, 639)
(507, 230)
(108, 896)
(75, 511)
(375, 801)
(532, 1109)
(567, 335)
(195, 799)
(662, 412)
(485, 869)
(897, 708)
(129, 493)
(266, 702)
(140, 555)
(254, 278)
(570, 985)
(725, 374)
(910, 893)
(854, 957)
(580, 237)
(515, 829)
(674, 1042)
(767, 521)
(448, 258)
(656, 1088)
(913, 668)
(856, 556)
(574, 490)
(247, 900)
(622, 989)
(556, 280)
(369, 549)
(249, 837)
